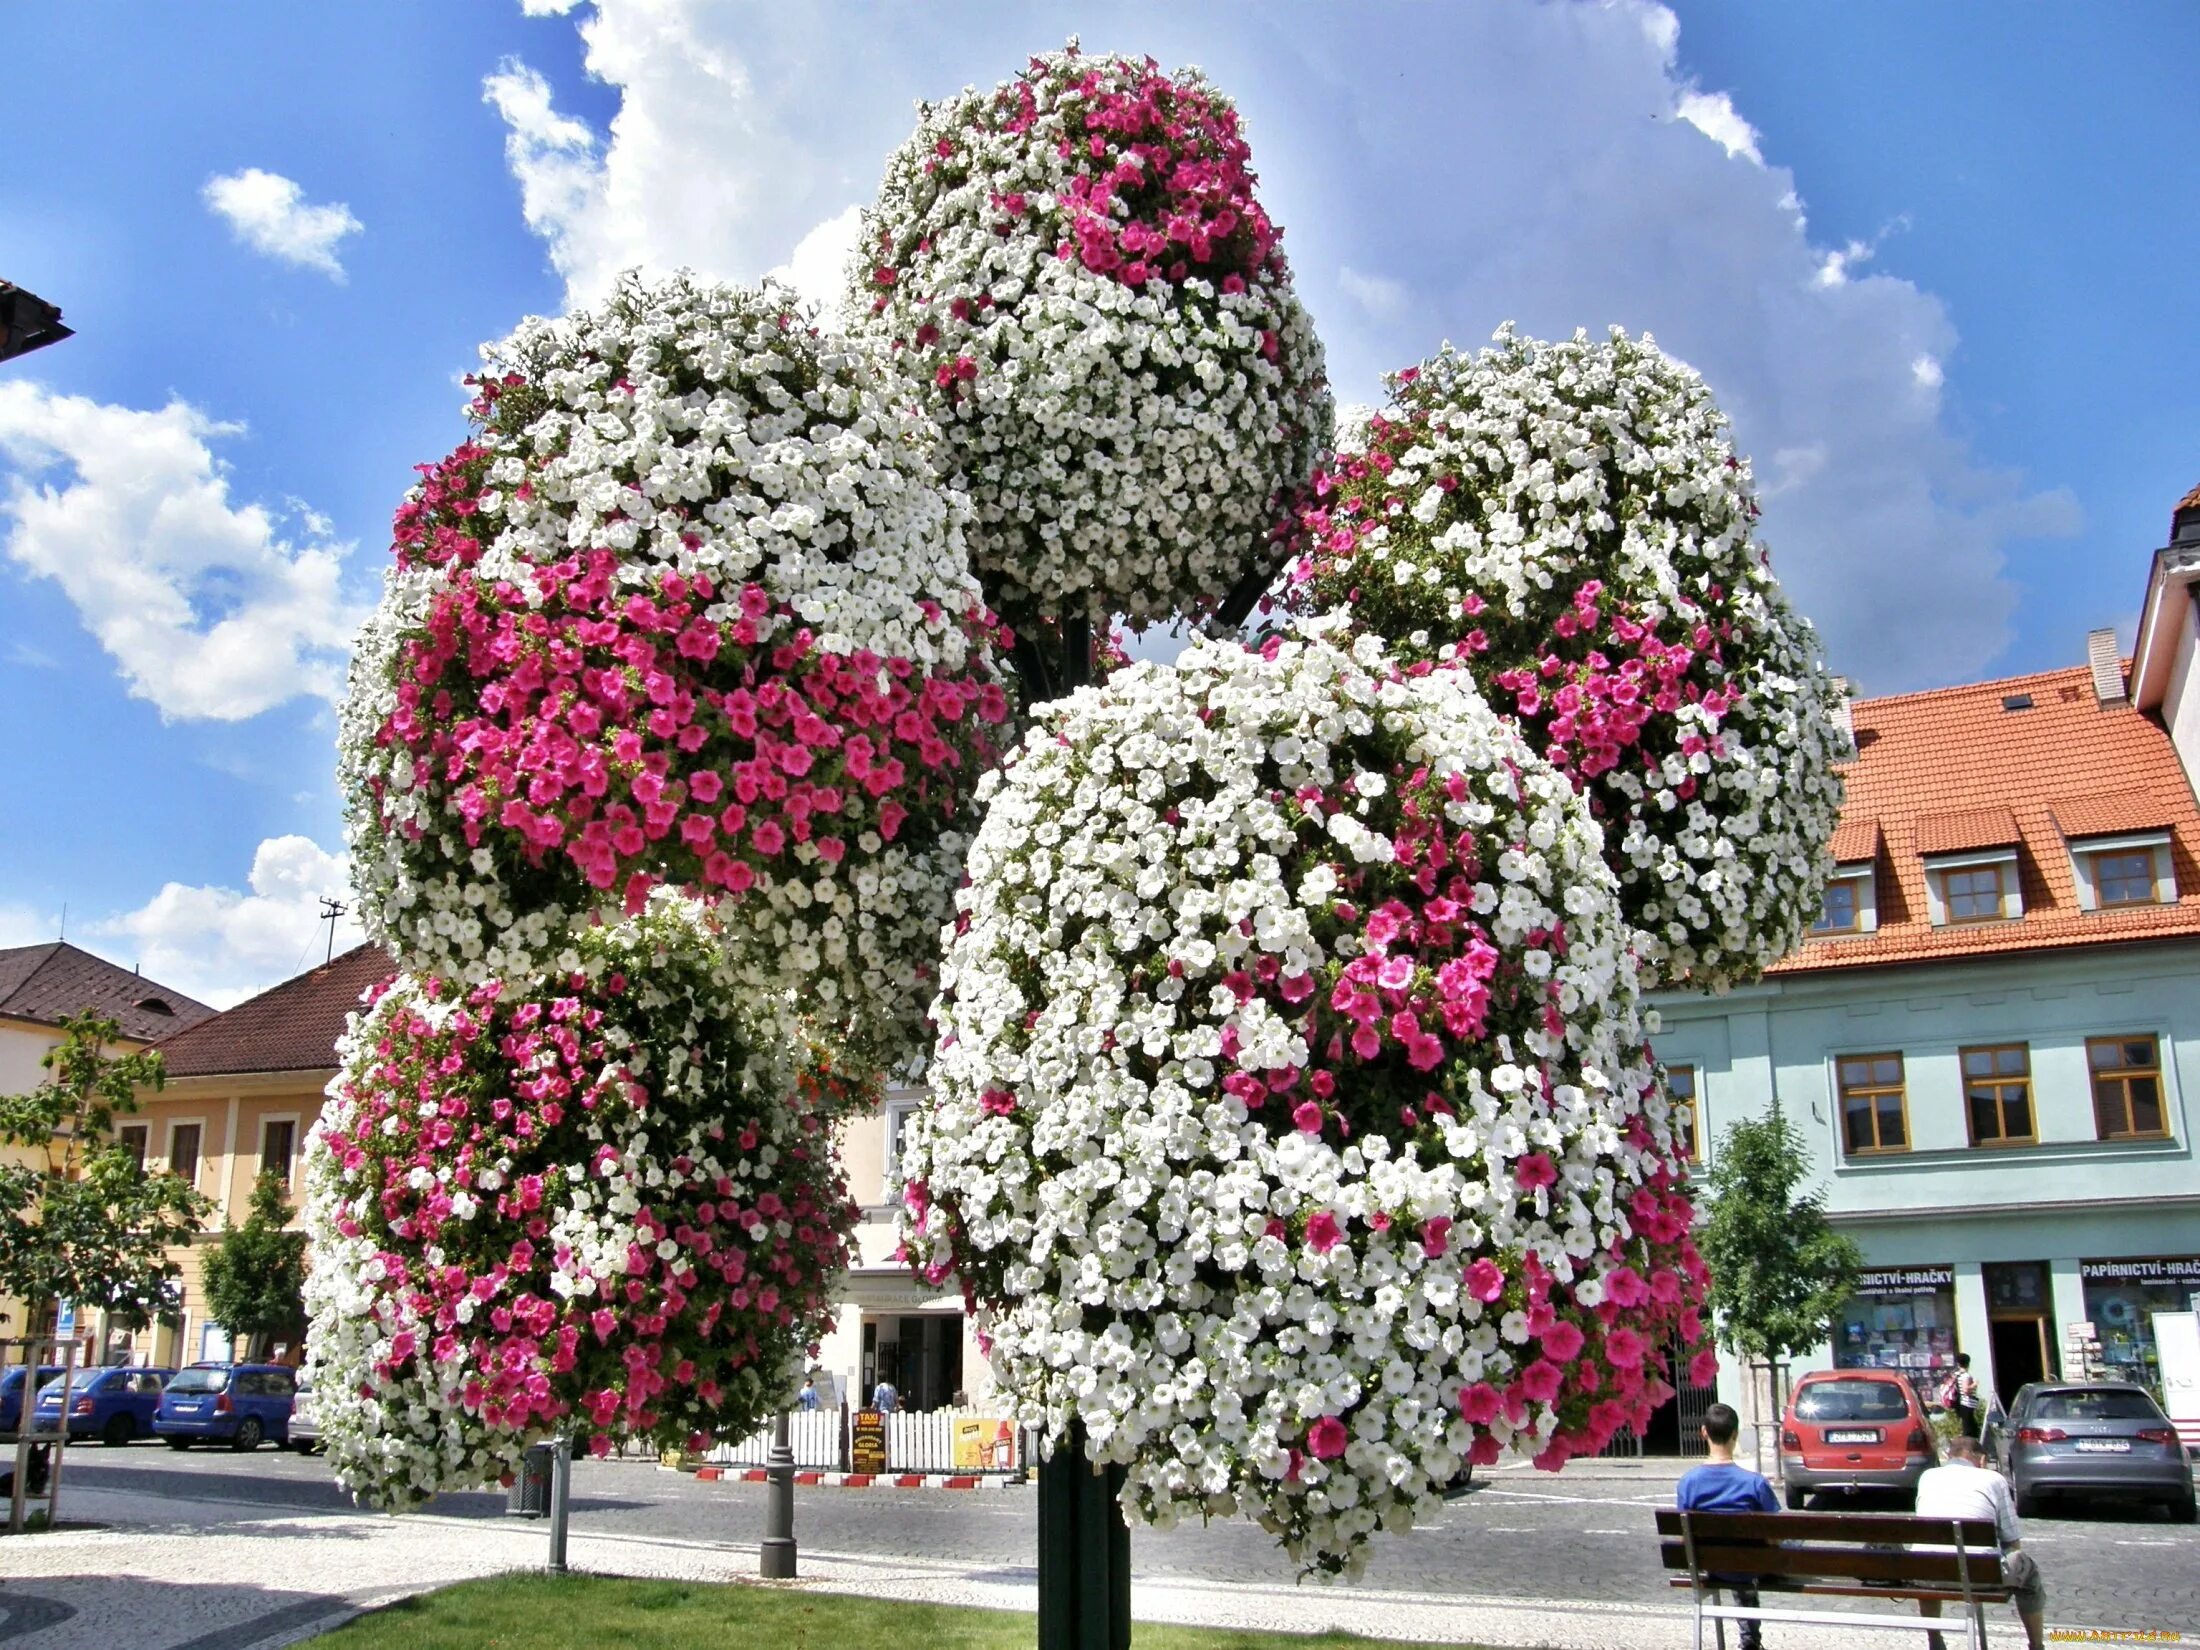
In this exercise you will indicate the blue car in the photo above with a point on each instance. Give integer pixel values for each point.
(235, 1404)
(112, 1405)
(11, 1394)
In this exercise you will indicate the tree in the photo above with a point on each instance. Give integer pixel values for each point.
(255, 1276)
(1779, 1271)
(83, 1220)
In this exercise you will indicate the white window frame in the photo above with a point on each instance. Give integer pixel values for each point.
(297, 1150)
(899, 1105)
(198, 1168)
(1938, 866)
(2083, 850)
(1863, 873)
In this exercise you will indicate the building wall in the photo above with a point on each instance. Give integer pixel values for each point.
(2181, 699)
(2013, 1226)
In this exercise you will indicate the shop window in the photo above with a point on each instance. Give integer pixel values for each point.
(2121, 1298)
(1997, 1095)
(2127, 1088)
(183, 1152)
(135, 1137)
(1874, 1108)
(1680, 1089)
(1900, 1318)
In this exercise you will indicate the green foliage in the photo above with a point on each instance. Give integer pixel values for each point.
(255, 1275)
(83, 1220)
(1779, 1271)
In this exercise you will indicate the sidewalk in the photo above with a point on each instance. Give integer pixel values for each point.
(283, 1580)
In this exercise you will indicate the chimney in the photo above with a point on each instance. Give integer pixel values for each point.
(2106, 661)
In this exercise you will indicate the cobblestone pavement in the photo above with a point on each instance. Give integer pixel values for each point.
(216, 1552)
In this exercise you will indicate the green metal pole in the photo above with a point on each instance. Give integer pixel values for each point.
(1084, 1553)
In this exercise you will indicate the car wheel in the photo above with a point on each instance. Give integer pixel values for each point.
(2028, 1504)
(248, 1435)
(119, 1432)
(1796, 1497)
(178, 1443)
(2185, 1511)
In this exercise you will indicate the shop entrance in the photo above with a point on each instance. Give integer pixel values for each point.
(2020, 1352)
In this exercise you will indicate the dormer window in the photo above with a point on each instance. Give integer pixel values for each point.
(1970, 867)
(2119, 851)
(1851, 905)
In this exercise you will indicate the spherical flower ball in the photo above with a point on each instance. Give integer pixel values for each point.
(600, 1202)
(1290, 1120)
(691, 608)
(1075, 269)
(1569, 523)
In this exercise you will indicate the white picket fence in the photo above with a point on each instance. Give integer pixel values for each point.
(822, 1438)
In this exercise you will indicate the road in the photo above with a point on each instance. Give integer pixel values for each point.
(1523, 1535)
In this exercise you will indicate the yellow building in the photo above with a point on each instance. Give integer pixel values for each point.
(43, 985)
(243, 1088)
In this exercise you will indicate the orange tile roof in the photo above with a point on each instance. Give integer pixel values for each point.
(1935, 768)
(2114, 815)
(1960, 833)
(1855, 839)
(2191, 501)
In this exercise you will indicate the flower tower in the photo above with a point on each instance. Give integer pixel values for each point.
(659, 754)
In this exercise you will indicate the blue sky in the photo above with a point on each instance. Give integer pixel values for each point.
(1936, 262)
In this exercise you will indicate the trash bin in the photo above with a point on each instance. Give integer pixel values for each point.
(530, 1495)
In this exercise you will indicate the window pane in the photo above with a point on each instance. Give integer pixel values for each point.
(1887, 1070)
(2145, 1098)
(2012, 1062)
(2016, 1114)
(1978, 1062)
(1839, 911)
(1680, 1082)
(1890, 1120)
(2103, 1055)
(2140, 1053)
(1855, 1073)
(1856, 1117)
(1985, 1118)
(2124, 879)
(183, 1153)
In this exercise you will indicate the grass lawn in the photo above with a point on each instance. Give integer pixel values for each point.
(530, 1612)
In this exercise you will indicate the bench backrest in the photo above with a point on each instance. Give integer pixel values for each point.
(1886, 1547)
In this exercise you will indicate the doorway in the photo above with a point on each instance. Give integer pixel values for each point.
(2019, 1344)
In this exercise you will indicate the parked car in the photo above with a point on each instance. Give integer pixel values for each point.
(112, 1405)
(12, 1384)
(2101, 1441)
(1853, 1429)
(236, 1404)
(305, 1421)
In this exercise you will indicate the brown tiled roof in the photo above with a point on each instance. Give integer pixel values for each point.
(48, 983)
(1946, 768)
(289, 1027)
(1964, 832)
(2083, 816)
(2191, 501)
(1855, 839)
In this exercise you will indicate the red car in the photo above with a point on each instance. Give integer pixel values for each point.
(1853, 1429)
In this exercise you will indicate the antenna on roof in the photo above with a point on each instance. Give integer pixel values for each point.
(331, 909)
(64, 934)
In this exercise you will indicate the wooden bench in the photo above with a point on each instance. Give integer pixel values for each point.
(1838, 1555)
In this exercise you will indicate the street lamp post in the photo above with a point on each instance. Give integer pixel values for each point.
(775, 1560)
(27, 322)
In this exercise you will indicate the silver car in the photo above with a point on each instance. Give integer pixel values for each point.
(305, 1420)
(2100, 1441)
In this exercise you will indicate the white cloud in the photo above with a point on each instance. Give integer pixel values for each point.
(1926, 370)
(268, 212)
(819, 263)
(222, 945)
(213, 609)
(1379, 295)
(1555, 165)
(1714, 115)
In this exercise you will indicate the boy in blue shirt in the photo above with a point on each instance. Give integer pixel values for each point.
(1721, 1486)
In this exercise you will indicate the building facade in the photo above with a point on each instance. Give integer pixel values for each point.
(1990, 1042)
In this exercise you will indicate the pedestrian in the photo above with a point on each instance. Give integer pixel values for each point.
(884, 1398)
(1721, 1485)
(1963, 1486)
(1959, 1395)
(807, 1397)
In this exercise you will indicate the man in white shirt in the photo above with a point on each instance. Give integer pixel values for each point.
(1964, 1487)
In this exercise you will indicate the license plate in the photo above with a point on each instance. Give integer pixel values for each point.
(2106, 1446)
(1853, 1435)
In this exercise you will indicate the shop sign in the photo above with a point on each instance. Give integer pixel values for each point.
(1906, 1280)
(2181, 1269)
(867, 1442)
(984, 1443)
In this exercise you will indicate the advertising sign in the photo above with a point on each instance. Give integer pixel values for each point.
(984, 1443)
(867, 1444)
